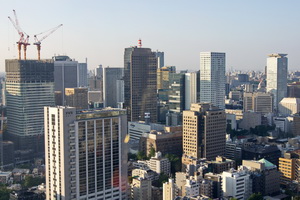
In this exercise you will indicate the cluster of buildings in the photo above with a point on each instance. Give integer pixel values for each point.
(203, 134)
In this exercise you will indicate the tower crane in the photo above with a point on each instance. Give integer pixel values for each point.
(38, 41)
(24, 38)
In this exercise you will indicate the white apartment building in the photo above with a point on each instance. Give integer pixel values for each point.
(236, 184)
(212, 78)
(86, 157)
(277, 69)
(141, 188)
(159, 164)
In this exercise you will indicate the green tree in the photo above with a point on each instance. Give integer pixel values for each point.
(175, 163)
(151, 153)
(4, 192)
(161, 179)
(31, 181)
(256, 196)
(141, 155)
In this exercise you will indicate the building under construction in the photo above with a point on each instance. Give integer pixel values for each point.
(29, 87)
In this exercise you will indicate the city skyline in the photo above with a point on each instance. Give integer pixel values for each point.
(178, 29)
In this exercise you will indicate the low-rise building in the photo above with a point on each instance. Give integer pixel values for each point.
(220, 164)
(141, 189)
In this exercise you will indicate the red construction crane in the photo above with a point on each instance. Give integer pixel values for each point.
(38, 41)
(23, 40)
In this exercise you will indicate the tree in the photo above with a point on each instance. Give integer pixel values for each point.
(175, 163)
(141, 155)
(161, 179)
(4, 192)
(31, 181)
(256, 196)
(152, 153)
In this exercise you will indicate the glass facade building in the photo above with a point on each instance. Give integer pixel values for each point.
(86, 157)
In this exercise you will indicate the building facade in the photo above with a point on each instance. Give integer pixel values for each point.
(204, 132)
(277, 69)
(85, 154)
(77, 97)
(112, 87)
(212, 78)
(29, 87)
(140, 83)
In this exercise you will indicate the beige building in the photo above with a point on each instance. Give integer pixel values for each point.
(168, 141)
(258, 102)
(169, 190)
(163, 76)
(141, 189)
(77, 97)
(221, 164)
(289, 106)
(204, 132)
(289, 167)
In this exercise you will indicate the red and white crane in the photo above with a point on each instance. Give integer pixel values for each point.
(38, 41)
(24, 38)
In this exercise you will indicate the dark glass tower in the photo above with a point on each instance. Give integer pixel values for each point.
(140, 83)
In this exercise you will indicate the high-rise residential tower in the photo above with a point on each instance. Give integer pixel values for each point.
(29, 87)
(140, 84)
(277, 67)
(212, 78)
(112, 86)
(204, 132)
(192, 89)
(86, 157)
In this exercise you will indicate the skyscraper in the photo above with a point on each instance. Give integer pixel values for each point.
(212, 78)
(192, 88)
(140, 84)
(82, 75)
(65, 74)
(29, 87)
(160, 56)
(111, 86)
(204, 132)
(277, 66)
(86, 157)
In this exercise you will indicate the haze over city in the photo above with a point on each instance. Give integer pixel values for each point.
(100, 30)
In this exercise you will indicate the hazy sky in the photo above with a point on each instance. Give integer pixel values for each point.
(100, 30)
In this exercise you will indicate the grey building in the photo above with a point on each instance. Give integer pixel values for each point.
(29, 87)
(140, 83)
(82, 75)
(112, 86)
(160, 56)
(65, 74)
(176, 95)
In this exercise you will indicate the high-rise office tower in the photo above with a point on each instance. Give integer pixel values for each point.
(77, 97)
(160, 56)
(192, 89)
(277, 66)
(29, 87)
(86, 157)
(204, 132)
(65, 74)
(140, 84)
(82, 75)
(111, 86)
(212, 78)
